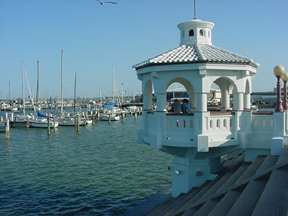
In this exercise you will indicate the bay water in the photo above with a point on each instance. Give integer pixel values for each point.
(100, 171)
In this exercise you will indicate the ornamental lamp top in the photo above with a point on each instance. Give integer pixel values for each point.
(279, 70)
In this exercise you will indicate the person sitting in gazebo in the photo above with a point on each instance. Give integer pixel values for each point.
(186, 107)
(177, 106)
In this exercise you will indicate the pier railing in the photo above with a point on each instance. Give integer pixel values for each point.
(181, 130)
(262, 122)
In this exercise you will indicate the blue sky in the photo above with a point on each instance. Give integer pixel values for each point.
(97, 39)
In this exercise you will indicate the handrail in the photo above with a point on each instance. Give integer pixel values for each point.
(179, 114)
(263, 113)
(220, 113)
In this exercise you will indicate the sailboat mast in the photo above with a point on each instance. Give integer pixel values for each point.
(113, 84)
(75, 92)
(122, 92)
(9, 94)
(23, 96)
(61, 78)
(37, 89)
(100, 95)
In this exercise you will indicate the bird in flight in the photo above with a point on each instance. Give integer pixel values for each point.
(106, 2)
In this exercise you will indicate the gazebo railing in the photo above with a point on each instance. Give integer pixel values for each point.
(179, 121)
(219, 122)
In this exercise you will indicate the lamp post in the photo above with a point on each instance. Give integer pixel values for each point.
(284, 77)
(278, 71)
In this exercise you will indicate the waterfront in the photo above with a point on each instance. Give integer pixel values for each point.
(101, 171)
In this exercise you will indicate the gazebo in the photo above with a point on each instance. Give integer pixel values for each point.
(198, 138)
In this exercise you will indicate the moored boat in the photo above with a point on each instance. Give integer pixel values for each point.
(88, 121)
(43, 123)
(22, 120)
(109, 117)
(70, 121)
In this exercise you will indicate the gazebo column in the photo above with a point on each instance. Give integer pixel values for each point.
(161, 101)
(238, 109)
(201, 116)
(192, 101)
(201, 102)
(147, 97)
(147, 106)
(240, 101)
(160, 117)
(247, 101)
(225, 99)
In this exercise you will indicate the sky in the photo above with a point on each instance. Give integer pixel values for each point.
(98, 40)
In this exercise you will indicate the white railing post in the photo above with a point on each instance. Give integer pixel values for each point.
(279, 122)
(201, 120)
(245, 128)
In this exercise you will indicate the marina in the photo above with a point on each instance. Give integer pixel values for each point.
(75, 115)
(107, 109)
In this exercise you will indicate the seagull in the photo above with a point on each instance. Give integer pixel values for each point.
(106, 2)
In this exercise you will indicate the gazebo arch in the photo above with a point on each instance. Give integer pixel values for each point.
(188, 87)
(227, 88)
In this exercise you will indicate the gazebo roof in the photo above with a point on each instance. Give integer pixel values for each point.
(200, 53)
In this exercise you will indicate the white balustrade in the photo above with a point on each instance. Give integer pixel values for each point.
(219, 128)
(262, 122)
(179, 122)
(179, 130)
(219, 123)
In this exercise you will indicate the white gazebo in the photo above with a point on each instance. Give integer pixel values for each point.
(198, 137)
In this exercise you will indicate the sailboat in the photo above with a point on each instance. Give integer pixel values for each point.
(109, 110)
(22, 119)
(67, 119)
(44, 121)
(41, 120)
(38, 106)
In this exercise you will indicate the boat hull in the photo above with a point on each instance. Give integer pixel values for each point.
(35, 124)
(17, 124)
(109, 118)
(70, 123)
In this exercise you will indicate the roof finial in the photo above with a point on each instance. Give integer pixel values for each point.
(195, 14)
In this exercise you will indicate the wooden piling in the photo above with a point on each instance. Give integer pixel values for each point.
(48, 120)
(7, 126)
(77, 123)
